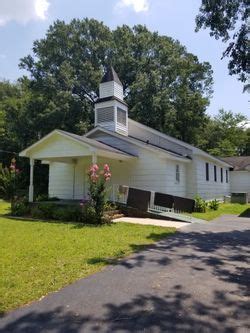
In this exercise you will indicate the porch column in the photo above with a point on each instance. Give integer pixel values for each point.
(94, 158)
(31, 187)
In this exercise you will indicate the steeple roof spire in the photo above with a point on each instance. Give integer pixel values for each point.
(111, 75)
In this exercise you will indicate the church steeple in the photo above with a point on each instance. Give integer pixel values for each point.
(111, 112)
(111, 85)
(111, 75)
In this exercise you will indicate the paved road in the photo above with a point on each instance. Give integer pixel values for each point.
(196, 281)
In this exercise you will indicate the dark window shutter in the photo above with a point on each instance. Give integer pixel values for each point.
(215, 173)
(207, 171)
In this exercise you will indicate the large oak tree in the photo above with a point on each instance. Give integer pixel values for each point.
(166, 87)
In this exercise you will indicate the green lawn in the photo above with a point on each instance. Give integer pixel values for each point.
(40, 257)
(224, 208)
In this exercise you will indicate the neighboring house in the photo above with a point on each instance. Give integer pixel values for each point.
(139, 156)
(239, 174)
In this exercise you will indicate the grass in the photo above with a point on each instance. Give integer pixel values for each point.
(40, 257)
(224, 208)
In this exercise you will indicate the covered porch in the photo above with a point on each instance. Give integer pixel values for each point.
(69, 157)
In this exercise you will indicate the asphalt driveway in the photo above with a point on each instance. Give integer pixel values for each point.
(195, 281)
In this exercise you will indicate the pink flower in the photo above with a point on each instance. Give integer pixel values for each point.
(106, 168)
(107, 176)
(94, 177)
(95, 167)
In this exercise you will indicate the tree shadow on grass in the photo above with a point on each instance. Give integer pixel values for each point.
(136, 248)
(246, 213)
(223, 258)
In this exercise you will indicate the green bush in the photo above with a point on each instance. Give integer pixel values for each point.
(53, 211)
(200, 204)
(89, 214)
(47, 209)
(214, 204)
(36, 213)
(20, 207)
(45, 197)
(67, 214)
(9, 180)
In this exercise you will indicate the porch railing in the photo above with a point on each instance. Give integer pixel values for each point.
(120, 194)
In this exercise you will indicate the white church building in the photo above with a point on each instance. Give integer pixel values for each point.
(139, 156)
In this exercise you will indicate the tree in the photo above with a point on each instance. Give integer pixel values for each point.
(227, 20)
(224, 136)
(19, 128)
(165, 86)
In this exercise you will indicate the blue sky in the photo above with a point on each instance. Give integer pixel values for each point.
(23, 21)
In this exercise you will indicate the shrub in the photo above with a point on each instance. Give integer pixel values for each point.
(45, 197)
(47, 209)
(67, 214)
(200, 204)
(53, 211)
(89, 214)
(20, 207)
(97, 190)
(214, 204)
(36, 212)
(9, 180)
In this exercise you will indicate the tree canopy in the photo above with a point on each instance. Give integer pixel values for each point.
(166, 87)
(224, 135)
(227, 20)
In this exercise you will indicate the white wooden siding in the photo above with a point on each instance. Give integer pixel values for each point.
(57, 146)
(209, 189)
(69, 181)
(111, 88)
(149, 172)
(61, 180)
(240, 181)
(106, 89)
(191, 180)
(118, 91)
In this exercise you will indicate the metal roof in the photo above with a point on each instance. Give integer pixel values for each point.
(239, 163)
(95, 143)
(111, 75)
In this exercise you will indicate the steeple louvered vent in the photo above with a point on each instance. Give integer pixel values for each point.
(111, 112)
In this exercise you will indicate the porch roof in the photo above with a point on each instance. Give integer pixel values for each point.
(60, 145)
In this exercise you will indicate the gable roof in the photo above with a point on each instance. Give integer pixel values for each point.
(239, 163)
(111, 75)
(96, 145)
(140, 143)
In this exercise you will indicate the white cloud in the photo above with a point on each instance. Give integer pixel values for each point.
(22, 11)
(137, 5)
